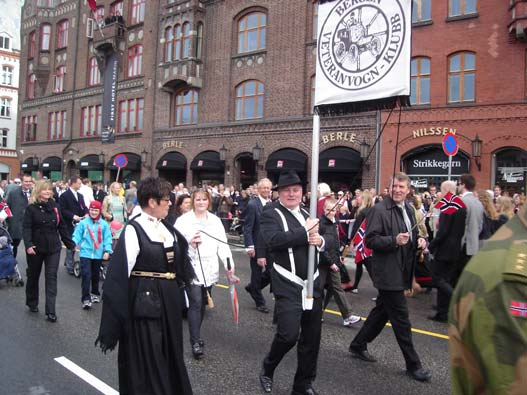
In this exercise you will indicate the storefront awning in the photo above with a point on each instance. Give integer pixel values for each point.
(52, 163)
(134, 162)
(91, 162)
(339, 160)
(286, 159)
(430, 160)
(207, 161)
(30, 164)
(172, 161)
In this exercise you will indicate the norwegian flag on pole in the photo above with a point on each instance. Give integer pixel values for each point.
(450, 203)
(93, 5)
(361, 251)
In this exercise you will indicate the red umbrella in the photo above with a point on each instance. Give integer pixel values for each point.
(232, 280)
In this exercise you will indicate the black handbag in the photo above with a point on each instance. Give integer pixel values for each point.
(147, 303)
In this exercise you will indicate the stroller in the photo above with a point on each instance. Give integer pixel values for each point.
(8, 265)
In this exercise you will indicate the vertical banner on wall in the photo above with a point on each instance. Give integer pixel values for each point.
(109, 101)
(363, 56)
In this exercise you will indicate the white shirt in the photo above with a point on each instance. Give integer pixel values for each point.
(87, 194)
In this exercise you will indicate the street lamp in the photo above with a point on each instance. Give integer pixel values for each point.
(34, 161)
(144, 158)
(257, 150)
(101, 157)
(223, 152)
(476, 151)
(364, 152)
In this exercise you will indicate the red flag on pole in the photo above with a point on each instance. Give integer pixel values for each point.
(450, 203)
(361, 251)
(93, 5)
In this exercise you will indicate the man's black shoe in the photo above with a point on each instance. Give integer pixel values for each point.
(197, 351)
(51, 317)
(33, 309)
(262, 309)
(248, 289)
(266, 382)
(419, 374)
(309, 391)
(361, 354)
(437, 318)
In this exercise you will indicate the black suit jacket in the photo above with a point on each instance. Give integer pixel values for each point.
(446, 245)
(251, 226)
(70, 207)
(278, 241)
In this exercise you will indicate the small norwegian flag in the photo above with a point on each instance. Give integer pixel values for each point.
(5, 210)
(518, 309)
(93, 5)
(450, 203)
(361, 251)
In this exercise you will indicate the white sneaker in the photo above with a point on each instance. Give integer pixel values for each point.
(352, 319)
(86, 304)
(355, 291)
(95, 299)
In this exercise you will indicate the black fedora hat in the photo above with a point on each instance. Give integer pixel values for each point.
(288, 177)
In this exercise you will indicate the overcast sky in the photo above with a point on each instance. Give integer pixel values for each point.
(10, 19)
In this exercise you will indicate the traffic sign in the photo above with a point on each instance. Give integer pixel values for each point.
(450, 144)
(120, 160)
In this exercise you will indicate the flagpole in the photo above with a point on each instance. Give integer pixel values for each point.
(449, 167)
(315, 145)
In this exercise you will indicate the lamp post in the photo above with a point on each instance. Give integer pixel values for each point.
(101, 158)
(144, 159)
(364, 152)
(223, 152)
(257, 150)
(476, 151)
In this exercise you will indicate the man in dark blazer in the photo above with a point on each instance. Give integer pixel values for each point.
(288, 232)
(260, 273)
(73, 210)
(446, 248)
(392, 236)
(17, 200)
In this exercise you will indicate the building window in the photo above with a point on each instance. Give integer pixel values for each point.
(32, 50)
(135, 61)
(421, 10)
(199, 40)
(169, 43)
(99, 14)
(177, 42)
(60, 75)
(186, 107)
(5, 132)
(249, 100)
(7, 75)
(315, 21)
(62, 34)
(91, 123)
(57, 125)
(94, 73)
(138, 11)
(461, 7)
(251, 32)
(131, 115)
(5, 107)
(187, 40)
(45, 34)
(29, 128)
(31, 86)
(116, 8)
(4, 42)
(462, 77)
(420, 81)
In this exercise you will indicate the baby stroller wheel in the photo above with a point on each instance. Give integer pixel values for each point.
(76, 269)
(19, 283)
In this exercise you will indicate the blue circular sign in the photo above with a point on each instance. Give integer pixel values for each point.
(450, 144)
(120, 160)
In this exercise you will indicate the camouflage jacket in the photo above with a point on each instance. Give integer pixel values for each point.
(488, 317)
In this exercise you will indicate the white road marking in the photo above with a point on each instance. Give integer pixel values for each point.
(86, 376)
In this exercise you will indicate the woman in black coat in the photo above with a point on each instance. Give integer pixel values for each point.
(43, 229)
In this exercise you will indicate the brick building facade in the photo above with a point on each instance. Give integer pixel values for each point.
(219, 91)
(469, 77)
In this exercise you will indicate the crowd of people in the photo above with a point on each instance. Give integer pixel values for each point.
(165, 244)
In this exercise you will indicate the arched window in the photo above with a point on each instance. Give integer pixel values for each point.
(177, 42)
(135, 61)
(461, 7)
(251, 32)
(32, 44)
(31, 86)
(7, 75)
(60, 75)
(420, 81)
(45, 35)
(199, 40)
(169, 43)
(187, 40)
(462, 77)
(421, 10)
(186, 107)
(249, 100)
(94, 74)
(62, 34)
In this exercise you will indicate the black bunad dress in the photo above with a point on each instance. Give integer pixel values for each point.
(150, 334)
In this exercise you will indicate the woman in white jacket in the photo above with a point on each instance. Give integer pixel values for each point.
(197, 225)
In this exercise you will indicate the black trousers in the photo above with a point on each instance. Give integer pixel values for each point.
(259, 280)
(460, 265)
(15, 244)
(390, 305)
(34, 267)
(442, 275)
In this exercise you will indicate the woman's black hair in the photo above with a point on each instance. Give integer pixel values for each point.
(152, 188)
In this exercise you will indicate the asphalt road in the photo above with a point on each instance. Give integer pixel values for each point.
(30, 346)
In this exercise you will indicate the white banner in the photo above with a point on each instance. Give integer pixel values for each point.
(363, 52)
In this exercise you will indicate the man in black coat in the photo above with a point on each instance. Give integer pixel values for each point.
(17, 200)
(446, 248)
(288, 232)
(392, 235)
(260, 274)
(73, 210)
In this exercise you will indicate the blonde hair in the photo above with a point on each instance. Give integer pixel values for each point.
(367, 200)
(505, 206)
(195, 194)
(111, 187)
(40, 185)
(488, 204)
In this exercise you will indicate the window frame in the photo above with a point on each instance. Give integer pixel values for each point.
(5, 42)
(31, 86)
(462, 73)
(32, 44)
(418, 78)
(243, 34)
(57, 122)
(239, 115)
(29, 122)
(180, 106)
(178, 42)
(126, 115)
(94, 74)
(62, 34)
(91, 121)
(5, 107)
(4, 135)
(199, 40)
(117, 8)
(186, 30)
(169, 44)
(7, 75)
(59, 79)
(419, 10)
(462, 7)
(45, 37)
(135, 61)
(137, 11)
